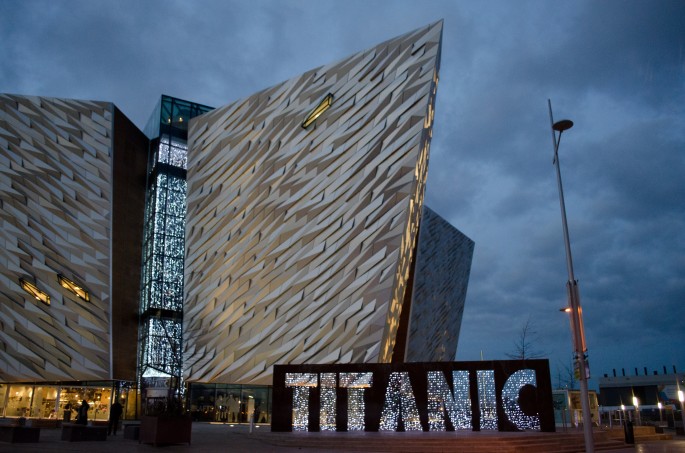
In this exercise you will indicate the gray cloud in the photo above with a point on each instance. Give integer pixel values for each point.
(616, 68)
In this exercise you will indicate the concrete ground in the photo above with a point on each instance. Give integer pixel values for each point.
(663, 446)
(210, 438)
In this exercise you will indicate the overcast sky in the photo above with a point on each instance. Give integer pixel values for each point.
(616, 68)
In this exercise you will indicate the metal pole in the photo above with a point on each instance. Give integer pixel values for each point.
(661, 415)
(578, 333)
(681, 398)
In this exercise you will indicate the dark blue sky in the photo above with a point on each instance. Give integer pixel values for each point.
(616, 68)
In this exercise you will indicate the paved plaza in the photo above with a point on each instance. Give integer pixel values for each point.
(209, 438)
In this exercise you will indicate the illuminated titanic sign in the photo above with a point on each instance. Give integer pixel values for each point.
(507, 395)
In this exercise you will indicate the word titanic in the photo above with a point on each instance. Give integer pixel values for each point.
(411, 400)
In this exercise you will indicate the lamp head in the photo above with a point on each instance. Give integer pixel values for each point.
(562, 125)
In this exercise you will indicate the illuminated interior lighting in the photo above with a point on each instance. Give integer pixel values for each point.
(174, 152)
(73, 287)
(318, 110)
(34, 291)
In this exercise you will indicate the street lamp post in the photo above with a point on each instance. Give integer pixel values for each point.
(681, 398)
(661, 415)
(576, 315)
(636, 405)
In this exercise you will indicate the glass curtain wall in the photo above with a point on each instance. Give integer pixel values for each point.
(161, 308)
(60, 401)
(225, 403)
(3, 398)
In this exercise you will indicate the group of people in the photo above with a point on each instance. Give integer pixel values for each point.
(114, 414)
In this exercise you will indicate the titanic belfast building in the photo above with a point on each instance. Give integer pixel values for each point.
(285, 228)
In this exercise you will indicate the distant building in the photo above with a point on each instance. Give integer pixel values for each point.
(656, 395)
(649, 389)
(568, 410)
(285, 228)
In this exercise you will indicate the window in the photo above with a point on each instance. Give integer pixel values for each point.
(73, 287)
(322, 107)
(34, 291)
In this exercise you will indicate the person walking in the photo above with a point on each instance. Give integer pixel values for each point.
(82, 415)
(114, 414)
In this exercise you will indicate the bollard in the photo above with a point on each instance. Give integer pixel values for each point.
(628, 430)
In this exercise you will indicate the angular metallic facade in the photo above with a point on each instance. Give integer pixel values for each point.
(441, 276)
(301, 239)
(71, 196)
(306, 235)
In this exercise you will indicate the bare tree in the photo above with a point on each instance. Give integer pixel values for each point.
(566, 377)
(524, 347)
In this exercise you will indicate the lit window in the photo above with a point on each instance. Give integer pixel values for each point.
(73, 287)
(34, 291)
(322, 107)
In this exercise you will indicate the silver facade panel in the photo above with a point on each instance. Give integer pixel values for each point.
(56, 199)
(299, 242)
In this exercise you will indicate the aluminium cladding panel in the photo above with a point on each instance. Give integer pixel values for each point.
(56, 218)
(441, 278)
(299, 241)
